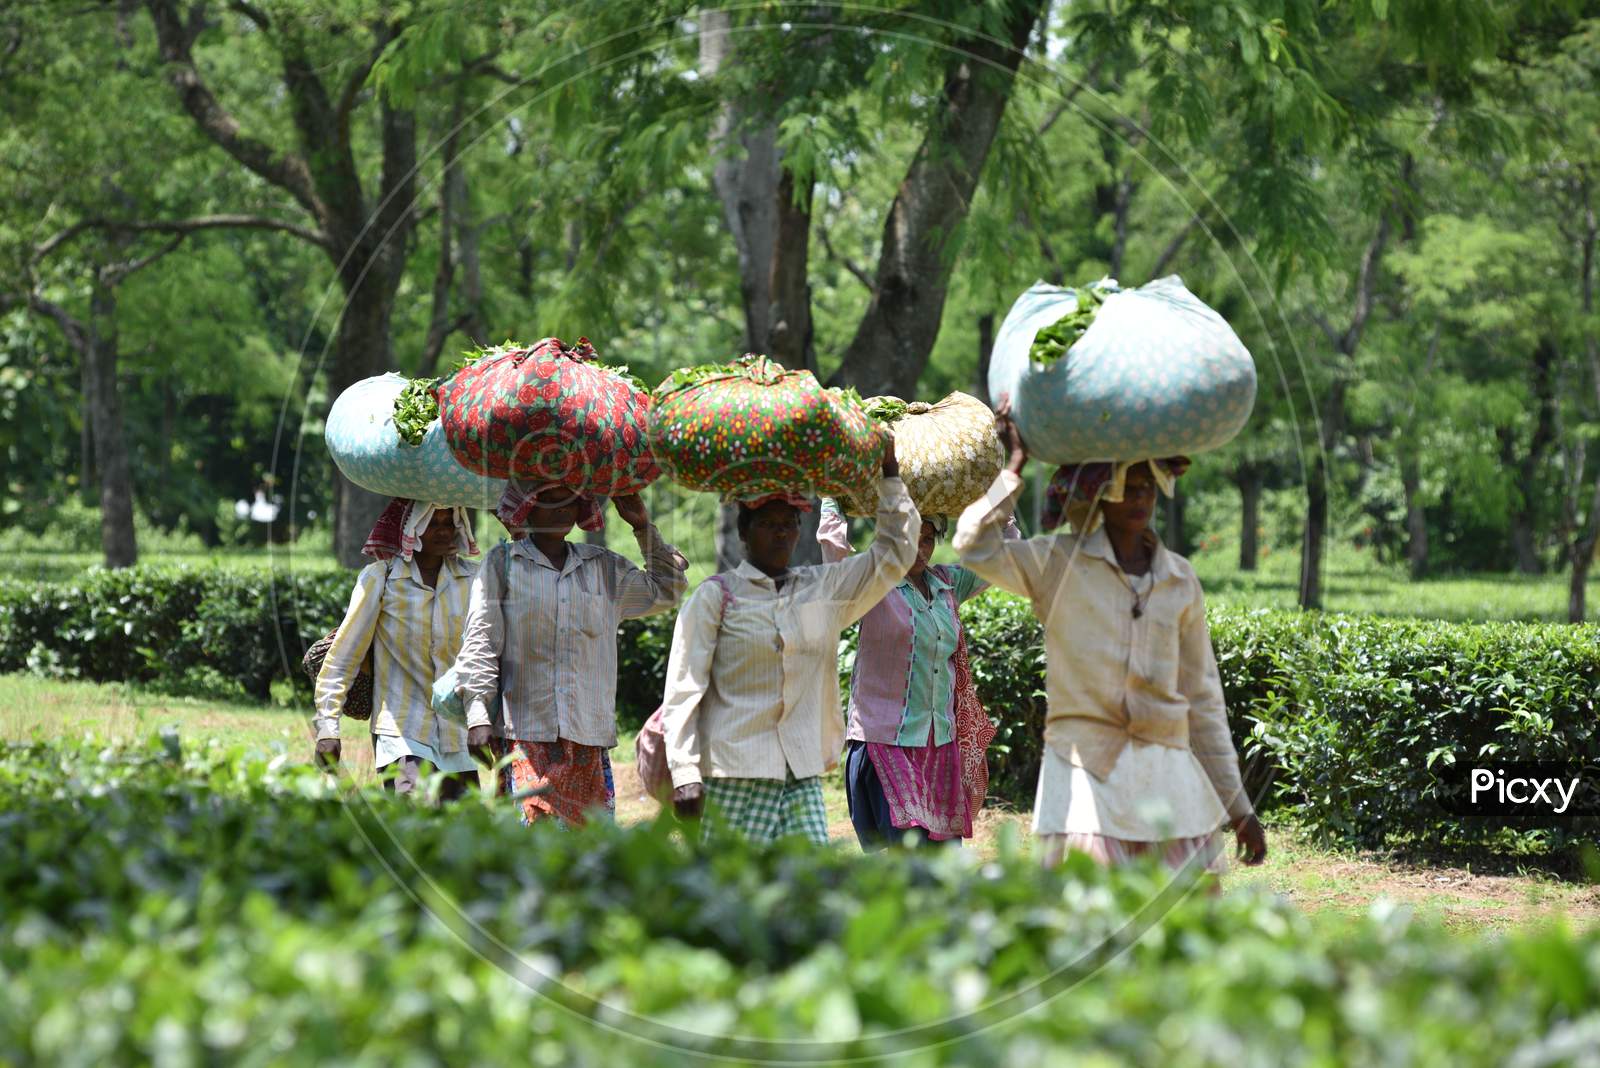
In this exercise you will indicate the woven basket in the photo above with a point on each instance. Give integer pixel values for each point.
(948, 453)
(358, 700)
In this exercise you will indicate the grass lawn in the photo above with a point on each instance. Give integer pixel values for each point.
(1355, 583)
(1330, 885)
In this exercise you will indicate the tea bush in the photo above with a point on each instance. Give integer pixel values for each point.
(213, 907)
(156, 624)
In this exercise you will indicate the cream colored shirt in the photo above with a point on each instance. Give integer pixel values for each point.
(549, 643)
(1111, 677)
(414, 633)
(753, 689)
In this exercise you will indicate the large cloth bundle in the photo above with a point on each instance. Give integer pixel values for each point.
(365, 445)
(550, 413)
(948, 453)
(1157, 373)
(751, 428)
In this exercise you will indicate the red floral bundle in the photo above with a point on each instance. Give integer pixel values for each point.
(549, 413)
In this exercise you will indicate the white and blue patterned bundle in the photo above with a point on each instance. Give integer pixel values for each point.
(362, 438)
(1158, 373)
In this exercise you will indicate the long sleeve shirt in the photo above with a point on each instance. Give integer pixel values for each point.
(1111, 676)
(414, 633)
(548, 644)
(902, 688)
(753, 683)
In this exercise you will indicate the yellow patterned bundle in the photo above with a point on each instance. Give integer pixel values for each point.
(948, 453)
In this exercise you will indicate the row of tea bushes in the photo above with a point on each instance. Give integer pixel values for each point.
(211, 907)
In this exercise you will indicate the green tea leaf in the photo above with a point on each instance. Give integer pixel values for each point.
(886, 409)
(415, 409)
(1052, 342)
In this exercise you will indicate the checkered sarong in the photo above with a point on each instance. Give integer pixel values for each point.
(765, 809)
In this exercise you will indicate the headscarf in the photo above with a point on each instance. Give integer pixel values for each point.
(399, 529)
(1076, 490)
(520, 498)
(799, 503)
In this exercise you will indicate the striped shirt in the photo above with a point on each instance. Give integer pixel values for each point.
(549, 646)
(1111, 676)
(414, 633)
(753, 687)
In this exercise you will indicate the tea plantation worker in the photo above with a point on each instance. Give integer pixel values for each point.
(1137, 755)
(542, 633)
(410, 608)
(751, 717)
(917, 732)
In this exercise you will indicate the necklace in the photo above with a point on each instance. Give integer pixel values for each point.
(1138, 598)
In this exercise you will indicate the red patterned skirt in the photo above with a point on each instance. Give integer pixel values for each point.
(574, 779)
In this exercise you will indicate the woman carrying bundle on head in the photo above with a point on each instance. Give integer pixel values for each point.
(410, 609)
(1138, 756)
(751, 716)
(542, 637)
(917, 733)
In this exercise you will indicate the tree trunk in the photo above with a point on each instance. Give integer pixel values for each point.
(1176, 537)
(1526, 471)
(472, 324)
(169, 426)
(361, 351)
(363, 236)
(1523, 545)
(923, 226)
(1344, 347)
(985, 353)
(1416, 521)
(1577, 587)
(88, 476)
(1583, 556)
(790, 337)
(1248, 479)
(452, 195)
(771, 229)
(1316, 528)
(746, 177)
(117, 538)
(1315, 531)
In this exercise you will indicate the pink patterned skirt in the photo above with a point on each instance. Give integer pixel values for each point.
(923, 788)
(939, 787)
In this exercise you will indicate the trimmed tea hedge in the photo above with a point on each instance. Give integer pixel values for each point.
(1347, 720)
(162, 625)
(215, 908)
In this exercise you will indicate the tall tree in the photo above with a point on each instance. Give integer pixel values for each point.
(76, 199)
(1567, 170)
(359, 219)
(922, 228)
